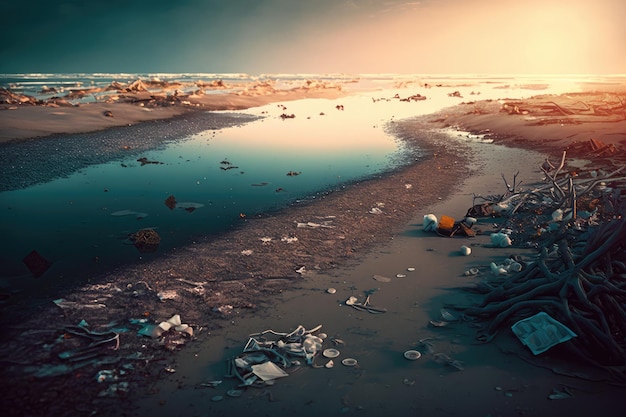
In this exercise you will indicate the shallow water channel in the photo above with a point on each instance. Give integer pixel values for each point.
(81, 220)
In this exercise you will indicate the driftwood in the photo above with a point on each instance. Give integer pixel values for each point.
(578, 276)
(599, 105)
(561, 191)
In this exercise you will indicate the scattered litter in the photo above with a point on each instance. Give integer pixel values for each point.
(381, 278)
(224, 309)
(375, 210)
(430, 223)
(97, 341)
(65, 304)
(266, 240)
(364, 306)
(426, 346)
(349, 362)
(167, 295)
(246, 252)
(447, 316)
(400, 275)
(36, 264)
(137, 214)
(465, 250)
(113, 389)
(560, 394)
(330, 353)
(410, 269)
(331, 291)
(408, 186)
(497, 269)
(541, 332)
(500, 240)
(289, 239)
(314, 225)
(173, 324)
(211, 384)
(145, 240)
(509, 265)
(471, 271)
(264, 360)
(106, 375)
(189, 206)
(170, 202)
(444, 359)
(145, 161)
(445, 225)
(301, 270)
(234, 393)
(329, 364)
(268, 371)
(412, 355)
(448, 227)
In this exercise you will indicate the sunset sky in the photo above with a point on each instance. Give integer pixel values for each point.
(314, 36)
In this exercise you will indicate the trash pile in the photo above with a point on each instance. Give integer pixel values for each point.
(270, 355)
(577, 278)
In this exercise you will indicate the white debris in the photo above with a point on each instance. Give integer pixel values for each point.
(430, 223)
(500, 240)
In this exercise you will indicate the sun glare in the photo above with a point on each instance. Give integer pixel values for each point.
(542, 37)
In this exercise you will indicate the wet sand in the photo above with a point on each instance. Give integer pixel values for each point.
(265, 292)
(496, 379)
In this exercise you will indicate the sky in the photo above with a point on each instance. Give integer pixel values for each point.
(314, 36)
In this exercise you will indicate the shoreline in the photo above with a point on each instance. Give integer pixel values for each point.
(25, 122)
(251, 284)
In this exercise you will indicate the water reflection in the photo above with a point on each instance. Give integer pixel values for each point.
(82, 222)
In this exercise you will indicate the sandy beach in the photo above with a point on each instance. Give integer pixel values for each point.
(374, 230)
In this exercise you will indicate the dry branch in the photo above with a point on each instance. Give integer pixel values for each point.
(579, 274)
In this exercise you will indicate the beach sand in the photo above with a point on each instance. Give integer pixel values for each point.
(19, 122)
(246, 294)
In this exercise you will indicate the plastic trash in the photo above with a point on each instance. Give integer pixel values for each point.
(500, 240)
(430, 223)
(541, 332)
(268, 371)
(445, 225)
